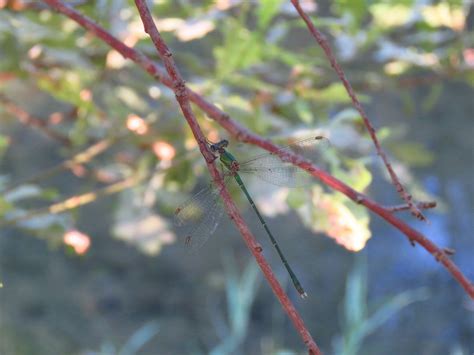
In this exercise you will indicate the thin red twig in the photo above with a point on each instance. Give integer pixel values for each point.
(405, 207)
(324, 44)
(241, 133)
(179, 88)
(33, 121)
(72, 163)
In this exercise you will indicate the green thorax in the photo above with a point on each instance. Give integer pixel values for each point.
(228, 160)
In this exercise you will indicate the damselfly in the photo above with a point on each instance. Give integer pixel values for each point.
(201, 214)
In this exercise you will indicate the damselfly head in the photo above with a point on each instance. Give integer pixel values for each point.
(219, 145)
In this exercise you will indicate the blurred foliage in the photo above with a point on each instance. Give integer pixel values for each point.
(134, 343)
(253, 59)
(357, 321)
(240, 296)
(256, 61)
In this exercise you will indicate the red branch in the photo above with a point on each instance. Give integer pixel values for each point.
(319, 37)
(241, 133)
(180, 90)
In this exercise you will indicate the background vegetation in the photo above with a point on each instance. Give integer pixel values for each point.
(96, 156)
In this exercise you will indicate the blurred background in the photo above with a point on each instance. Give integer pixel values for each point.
(96, 157)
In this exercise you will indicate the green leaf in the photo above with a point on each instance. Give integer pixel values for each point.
(139, 338)
(250, 83)
(291, 59)
(358, 176)
(393, 306)
(390, 15)
(433, 97)
(383, 133)
(266, 11)
(304, 111)
(5, 206)
(413, 153)
(297, 198)
(49, 193)
(346, 115)
(130, 97)
(364, 178)
(355, 307)
(333, 93)
(357, 8)
(358, 324)
(4, 142)
(241, 49)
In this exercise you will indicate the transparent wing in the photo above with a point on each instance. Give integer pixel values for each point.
(197, 218)
(271, 168)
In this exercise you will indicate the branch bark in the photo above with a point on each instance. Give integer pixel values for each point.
(405, 207)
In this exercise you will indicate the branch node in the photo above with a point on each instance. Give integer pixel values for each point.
(439, 255)
(241, 136)
(180, 88)
(449, 251)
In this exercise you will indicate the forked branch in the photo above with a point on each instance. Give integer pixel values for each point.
(324, 44)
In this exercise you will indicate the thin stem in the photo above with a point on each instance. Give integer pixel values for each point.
(33, 121)
(76, 201)
(181, 92)
(243, 134)
(405, 207)
(324, 44)
(78, 159)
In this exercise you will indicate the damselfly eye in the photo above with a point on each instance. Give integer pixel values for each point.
(219, 145)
